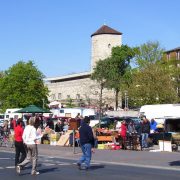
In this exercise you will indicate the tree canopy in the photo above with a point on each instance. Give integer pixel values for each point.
(149, 53)
(22, 85)
(153, 85)
(152, 81)
(111, 72)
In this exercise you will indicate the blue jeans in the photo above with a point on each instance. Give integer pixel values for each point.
(86, 157)
(144, 140)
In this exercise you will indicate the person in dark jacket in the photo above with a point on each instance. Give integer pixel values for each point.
(50, 123)
(145, 131)
(87, 144)
(59, 126)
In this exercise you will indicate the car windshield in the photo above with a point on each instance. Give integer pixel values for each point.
(1, 116)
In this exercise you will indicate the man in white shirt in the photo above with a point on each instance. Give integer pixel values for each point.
(29, 138)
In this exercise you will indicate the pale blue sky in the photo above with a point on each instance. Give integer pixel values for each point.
(55, 34)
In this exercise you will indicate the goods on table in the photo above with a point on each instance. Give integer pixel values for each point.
(54, 137)
(109, 146)
(47, 130)
(105, 138)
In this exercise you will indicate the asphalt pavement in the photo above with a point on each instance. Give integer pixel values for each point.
(66, 169)
(156, 160)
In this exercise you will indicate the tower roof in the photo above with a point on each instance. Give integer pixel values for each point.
(106, 30)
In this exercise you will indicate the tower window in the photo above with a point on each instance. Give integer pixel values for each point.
(53, 97)
(109, 45)
(77, 96)
(59, 95)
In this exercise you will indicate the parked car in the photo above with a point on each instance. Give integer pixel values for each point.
(1, 122)
(1, 119)
(110, 121)
(94, 119)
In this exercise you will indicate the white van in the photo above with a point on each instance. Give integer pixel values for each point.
(72, 112)
(10, 113)
(160, 111)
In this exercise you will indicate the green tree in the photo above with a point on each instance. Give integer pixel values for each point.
(111, 73)
(118, 72)
(152, 85)
(148, 53)
(173, 68)
(99, 75)
(1, 74)
(151, 82)
(22, 85)
(69, 103)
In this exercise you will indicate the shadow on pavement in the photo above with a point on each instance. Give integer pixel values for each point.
(94, 167)
(42, 171)
(174, 163)
(30, 166)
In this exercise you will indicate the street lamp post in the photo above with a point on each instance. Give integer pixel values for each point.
(125, 102)
(126, 98)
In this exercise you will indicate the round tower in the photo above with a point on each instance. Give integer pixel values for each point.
(102, 42)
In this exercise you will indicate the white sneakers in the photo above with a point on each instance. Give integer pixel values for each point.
(18, 170)
(35, 173)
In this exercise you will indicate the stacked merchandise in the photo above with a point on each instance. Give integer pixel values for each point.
(54, 138)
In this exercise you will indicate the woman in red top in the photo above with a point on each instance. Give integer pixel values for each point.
(123, 134)
(19, 146)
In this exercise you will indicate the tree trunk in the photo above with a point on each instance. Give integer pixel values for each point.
(116, 100)
(100, 104)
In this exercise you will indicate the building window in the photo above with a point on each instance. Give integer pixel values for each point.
(53, 97)
(68, 96)
(59, 95)
(77, 96)
(62, 111)
(168, 56)
(109, 45)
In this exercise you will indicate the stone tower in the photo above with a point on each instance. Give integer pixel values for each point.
(102, 42)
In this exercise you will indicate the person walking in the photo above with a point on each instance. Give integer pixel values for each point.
(87, 144)
(20, 152)
(145, 130)
(29, 138)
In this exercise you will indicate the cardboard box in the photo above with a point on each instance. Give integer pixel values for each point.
(165, 146)
(54, 136)
(101, 146)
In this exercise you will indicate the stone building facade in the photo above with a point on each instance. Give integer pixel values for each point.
(79, 87)
(172, 54)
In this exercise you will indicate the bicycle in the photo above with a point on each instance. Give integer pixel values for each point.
(4, 138)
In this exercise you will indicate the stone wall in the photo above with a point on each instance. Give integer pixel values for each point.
(86, 88)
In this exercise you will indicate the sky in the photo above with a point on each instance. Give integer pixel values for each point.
(56, 34)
